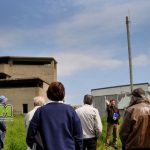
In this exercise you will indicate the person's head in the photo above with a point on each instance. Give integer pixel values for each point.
(88, 99)
(113, 102)
(56, 91)
(3, 99)
(38, 101)
(137, 95)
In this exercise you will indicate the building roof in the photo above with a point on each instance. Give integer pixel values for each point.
(26, 60)
(21, 82)
(4, 75)
(120, 86)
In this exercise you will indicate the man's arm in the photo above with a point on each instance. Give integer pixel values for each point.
(98, 124)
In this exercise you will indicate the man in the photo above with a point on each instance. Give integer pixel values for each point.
(91, 123)
(135, 129)
(38, 101)
(113, 116)
(3, 101)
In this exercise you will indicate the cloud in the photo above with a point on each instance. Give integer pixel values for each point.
(90, 27)
(141, 60)
(70, 63)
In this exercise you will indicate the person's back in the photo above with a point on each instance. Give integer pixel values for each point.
(139, 136)
(91, 123)
(29, 116)
(135, 129)
(58, 124)
(38, 102)
(3, 128)
(88, 116)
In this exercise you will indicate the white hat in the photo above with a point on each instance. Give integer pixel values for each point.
(3, 99)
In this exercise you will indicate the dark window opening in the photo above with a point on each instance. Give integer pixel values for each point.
(25, 108)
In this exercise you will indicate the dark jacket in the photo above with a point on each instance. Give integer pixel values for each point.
(135, 129)
(2, 133)
(59, 127)
(110, 112)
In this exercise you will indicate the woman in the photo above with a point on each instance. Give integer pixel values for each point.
(56, 122)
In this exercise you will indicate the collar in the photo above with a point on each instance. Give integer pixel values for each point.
(51, 101)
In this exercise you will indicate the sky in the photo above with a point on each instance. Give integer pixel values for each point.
(87, 38)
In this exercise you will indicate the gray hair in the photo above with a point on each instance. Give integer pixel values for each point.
(38, 101)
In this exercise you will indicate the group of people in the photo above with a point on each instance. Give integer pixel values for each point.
(57, 126)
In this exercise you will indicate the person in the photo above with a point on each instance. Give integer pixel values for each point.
(3, 101)
(91, 123)
(58, 124)
(37, 101)
(113, 117)
(135, 129)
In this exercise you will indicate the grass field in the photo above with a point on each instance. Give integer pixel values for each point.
(15, 136)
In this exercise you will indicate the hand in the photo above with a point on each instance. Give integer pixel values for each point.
(107, 102)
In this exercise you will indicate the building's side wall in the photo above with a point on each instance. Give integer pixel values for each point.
(19, 96)
(47, 73)
(102, 94)
(43, 92)
(118, 90)
(99, 103)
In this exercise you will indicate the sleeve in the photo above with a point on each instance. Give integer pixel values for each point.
(26, 122)
(98, 124)
(2, 126)
(125, 127)
(33, 129)
(77, 132)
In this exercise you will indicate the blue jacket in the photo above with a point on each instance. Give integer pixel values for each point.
(59, 127)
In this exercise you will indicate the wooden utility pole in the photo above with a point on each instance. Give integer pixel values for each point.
(129, 53)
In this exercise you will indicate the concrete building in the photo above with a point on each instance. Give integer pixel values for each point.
(116, 92)
(23, 78)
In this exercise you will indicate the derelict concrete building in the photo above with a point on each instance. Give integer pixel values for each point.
(117, 92)
(23, 78)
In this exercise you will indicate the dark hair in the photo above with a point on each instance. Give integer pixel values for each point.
(88, 99)
(112, 100)
(139, 92)
(56, 91)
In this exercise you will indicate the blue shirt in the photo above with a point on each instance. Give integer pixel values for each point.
(59, 127)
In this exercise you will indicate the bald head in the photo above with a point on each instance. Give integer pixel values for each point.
(38, 101)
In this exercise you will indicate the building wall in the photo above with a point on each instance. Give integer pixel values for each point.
(43, 91)
(100, 95)
(47, 72)
(117, 90)
(19, 96)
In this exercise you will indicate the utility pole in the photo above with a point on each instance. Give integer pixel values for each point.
(129, 53)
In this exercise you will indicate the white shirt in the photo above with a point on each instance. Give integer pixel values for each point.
(29, 116)
(90, 121)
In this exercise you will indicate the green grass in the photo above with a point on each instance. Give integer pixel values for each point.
(101, 141)
(15, 136)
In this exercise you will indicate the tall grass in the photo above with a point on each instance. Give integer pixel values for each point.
(16, 133)
(101, 145)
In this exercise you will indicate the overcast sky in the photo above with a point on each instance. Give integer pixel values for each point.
(87, 38)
